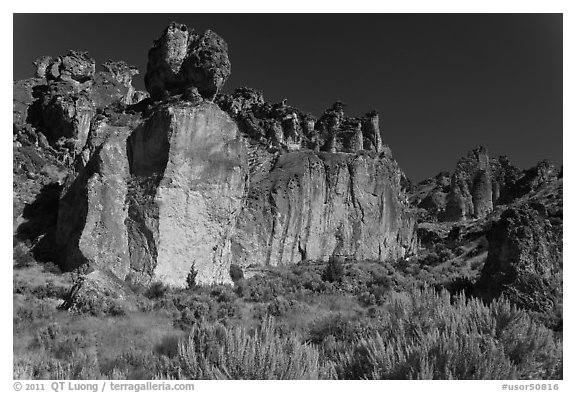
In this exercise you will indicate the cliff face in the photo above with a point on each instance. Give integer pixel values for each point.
(173, 188)
(90, 227)
(314, 205)
(155, 202)
(189, 170)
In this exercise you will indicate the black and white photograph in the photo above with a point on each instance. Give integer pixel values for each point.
(287, 196)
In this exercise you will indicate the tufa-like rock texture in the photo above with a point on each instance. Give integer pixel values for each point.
(181, 60)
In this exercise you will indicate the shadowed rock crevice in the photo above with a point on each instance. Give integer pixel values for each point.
(147, 150)
(41, 214)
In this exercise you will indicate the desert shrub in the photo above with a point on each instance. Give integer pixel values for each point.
(476, 251)
(241, 288)
(49, 290)
(262, 289)
(429, 335)
(336, 325)
(93, 303)
(60, 343)
(215, 303)
(223, 293)
(477, 265)
(22, 256)
(334, 270)
(312, 282)
(81, 365)
(403, 264)
(32, 311)
(168, 346)
(378, 290)
(140, 364)
(431, 259)
(459, 250)
(459, 284)
(51, 267)
(445, 254)
(236, 272)
(46, 335)
(213, 351)
(279, 306)
(156, 290)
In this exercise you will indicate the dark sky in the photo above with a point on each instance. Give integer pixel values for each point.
(443, 83)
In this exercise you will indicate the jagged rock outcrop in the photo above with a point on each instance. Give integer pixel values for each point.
(63, 114)
(430, 194)
(525, 261)
(470, 188)
(75, 67)
(504, 178)
(287, 128)
(114, 84)
(478, 185)
(69, 93)
(22, 99)
(181, 60)
(531, 179)
(311, 206)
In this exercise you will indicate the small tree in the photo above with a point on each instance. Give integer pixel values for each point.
(191, 279)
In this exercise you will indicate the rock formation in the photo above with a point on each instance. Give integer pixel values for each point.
(516, 243)
(75, 66)
(189, 170)
(181, 60)
(285, 127)
(478, 185)
(178, 186)
(154, 202)
(525, 261)
(311, 206)
(65, 98)
(471, 187)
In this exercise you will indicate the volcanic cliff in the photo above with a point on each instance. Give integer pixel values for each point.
(183, 182)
